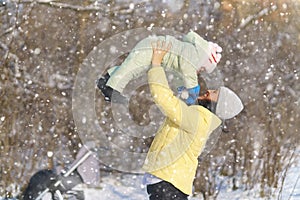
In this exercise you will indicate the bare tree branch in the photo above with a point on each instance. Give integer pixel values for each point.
(8, 55)
(124, 8)
(261, 13)
(9, 30)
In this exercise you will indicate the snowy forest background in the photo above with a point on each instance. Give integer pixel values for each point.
(43, 43)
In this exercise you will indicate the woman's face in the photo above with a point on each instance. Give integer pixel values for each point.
(211, 95)
(200, 70)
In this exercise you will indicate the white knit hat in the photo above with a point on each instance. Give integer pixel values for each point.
(229, 104)
(209, 53)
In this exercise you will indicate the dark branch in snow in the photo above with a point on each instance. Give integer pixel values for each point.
(296, 183)
(3, 46)
(261, 13)
(7, 54)
(288, 166)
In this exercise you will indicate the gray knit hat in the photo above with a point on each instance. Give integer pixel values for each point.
(229, 104)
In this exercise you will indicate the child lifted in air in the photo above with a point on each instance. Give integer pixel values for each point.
(189, 57)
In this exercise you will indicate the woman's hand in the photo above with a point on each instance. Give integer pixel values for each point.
(159, 51)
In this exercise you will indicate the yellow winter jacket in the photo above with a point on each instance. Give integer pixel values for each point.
(173, 155)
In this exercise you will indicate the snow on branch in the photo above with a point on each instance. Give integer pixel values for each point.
(261, 13)
(125, 8)
(61, 5)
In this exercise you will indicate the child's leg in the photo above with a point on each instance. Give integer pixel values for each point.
(107, 91)
(137, 62)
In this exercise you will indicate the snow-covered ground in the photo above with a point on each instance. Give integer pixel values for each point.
(129, 187)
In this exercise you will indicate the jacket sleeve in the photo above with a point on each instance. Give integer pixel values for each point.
(188, 61)
(190, 74)
(187, 117)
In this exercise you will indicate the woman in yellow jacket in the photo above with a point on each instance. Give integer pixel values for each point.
(171, 162)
